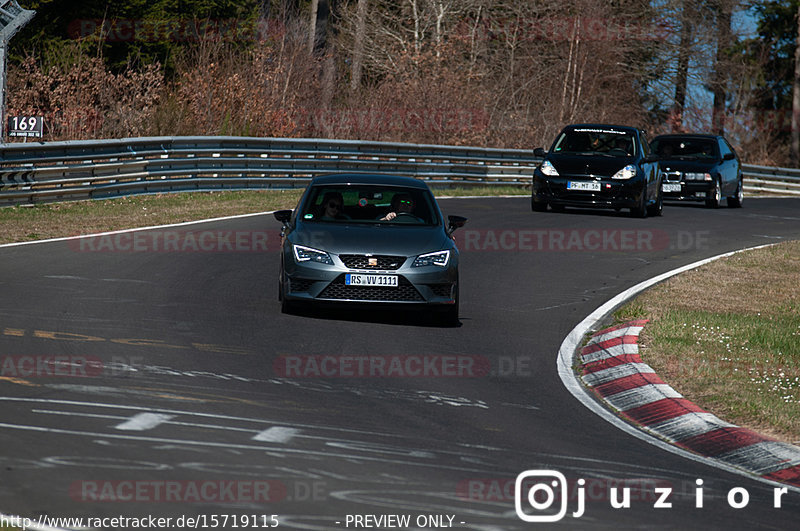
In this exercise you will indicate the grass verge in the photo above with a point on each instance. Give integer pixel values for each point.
(727, 336)
(56, 220)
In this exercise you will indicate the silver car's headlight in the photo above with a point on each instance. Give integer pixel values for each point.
(548, 169)
(439, 258)
(307, 254)
(628, 172)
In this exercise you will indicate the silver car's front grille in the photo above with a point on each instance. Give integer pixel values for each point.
(404, 292)
(442, 290)
(300, 284)
(374, 262)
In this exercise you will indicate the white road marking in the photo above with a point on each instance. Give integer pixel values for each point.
(143, 422)
(277, 434)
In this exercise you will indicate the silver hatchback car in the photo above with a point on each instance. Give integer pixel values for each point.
(369, 239)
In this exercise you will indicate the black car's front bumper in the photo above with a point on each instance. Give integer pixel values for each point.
(687, 190)
(612, 193)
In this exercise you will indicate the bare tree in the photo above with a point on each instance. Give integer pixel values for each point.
(795, 143)
(724, 18)
(312, 27)
(687, 19)
(358, 46)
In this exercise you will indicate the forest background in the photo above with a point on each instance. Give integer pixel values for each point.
(504, 73)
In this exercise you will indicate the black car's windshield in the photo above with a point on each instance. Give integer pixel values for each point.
(595, 141)
(370, 204)
(685, 148)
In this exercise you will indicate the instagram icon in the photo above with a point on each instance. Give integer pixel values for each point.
(535, 494)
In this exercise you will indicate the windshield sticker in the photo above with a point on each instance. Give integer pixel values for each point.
(611, 131)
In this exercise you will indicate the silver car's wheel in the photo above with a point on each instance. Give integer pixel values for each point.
(286, 306)
(449, 317)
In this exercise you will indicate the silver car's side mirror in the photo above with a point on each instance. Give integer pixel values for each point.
(283, 216)
(455, 222)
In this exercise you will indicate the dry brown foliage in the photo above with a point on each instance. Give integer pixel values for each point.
(84, 100)
(459, 72)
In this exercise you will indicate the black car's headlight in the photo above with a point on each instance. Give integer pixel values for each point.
(628, 172)
(690, 176)
(307, 254)
(548, 169)
(439, 258)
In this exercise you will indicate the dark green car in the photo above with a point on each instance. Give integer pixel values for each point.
(369, 240)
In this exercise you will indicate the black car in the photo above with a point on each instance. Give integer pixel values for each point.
(369, 240)
(598, 166)
(699, 168)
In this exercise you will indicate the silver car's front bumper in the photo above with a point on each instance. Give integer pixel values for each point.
(312, 281)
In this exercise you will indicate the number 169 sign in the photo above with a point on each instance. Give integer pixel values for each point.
(25, 126)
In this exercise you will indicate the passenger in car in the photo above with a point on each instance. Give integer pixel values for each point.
(332, 205)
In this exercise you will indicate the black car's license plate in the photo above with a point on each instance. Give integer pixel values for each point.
(583, 186)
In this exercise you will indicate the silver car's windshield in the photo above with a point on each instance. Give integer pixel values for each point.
(370, 204)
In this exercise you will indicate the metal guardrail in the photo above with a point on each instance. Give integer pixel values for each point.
(771, 180)
(71, 170)
(60, 171)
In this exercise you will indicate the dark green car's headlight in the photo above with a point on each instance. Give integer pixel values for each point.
(439, 258)
(307, 254)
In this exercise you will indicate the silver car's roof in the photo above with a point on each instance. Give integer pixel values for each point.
(376, 179)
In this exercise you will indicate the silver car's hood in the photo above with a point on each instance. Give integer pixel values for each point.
(384, 239)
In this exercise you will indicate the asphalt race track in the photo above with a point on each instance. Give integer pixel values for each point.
(152, 374)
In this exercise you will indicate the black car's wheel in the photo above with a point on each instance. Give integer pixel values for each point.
(640, 211)
(538, 206)
(658, 208)
(714, 195)
(736, 201)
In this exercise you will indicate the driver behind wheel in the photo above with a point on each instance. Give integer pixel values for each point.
(402, 203)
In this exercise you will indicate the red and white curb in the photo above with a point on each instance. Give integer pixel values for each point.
(612, 368)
